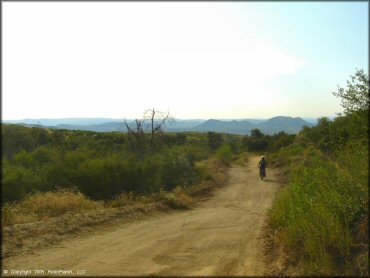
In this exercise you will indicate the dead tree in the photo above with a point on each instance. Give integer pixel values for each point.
(158, 120)
(136, 136)
(151, 125)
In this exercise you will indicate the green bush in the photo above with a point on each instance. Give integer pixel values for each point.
(224, 154)
(215, 140)
(17, 181)
(105, 178)
(100, 165)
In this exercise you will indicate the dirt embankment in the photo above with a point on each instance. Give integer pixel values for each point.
(220, 236)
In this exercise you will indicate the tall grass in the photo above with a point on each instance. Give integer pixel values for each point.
(41, 206)
(318, 214)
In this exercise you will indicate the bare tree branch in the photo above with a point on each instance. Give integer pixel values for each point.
(157, 121)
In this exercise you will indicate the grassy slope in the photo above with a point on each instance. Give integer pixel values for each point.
(320, 217)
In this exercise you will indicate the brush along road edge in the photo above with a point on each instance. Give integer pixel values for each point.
(220, 236)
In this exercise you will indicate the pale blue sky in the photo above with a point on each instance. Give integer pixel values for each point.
(331, 36)
(196, 60)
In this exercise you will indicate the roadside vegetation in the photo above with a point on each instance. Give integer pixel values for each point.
(47, 173)
(321, 216)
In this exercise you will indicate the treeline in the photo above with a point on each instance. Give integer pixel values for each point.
(321, 216)
(100, 165)
(259, 142)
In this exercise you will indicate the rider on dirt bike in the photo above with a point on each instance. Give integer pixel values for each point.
(262, 165)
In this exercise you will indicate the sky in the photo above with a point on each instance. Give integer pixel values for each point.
(195, 60)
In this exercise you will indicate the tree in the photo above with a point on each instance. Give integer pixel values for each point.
(356, 96)
(279, 140)
(153, 122)
(256, 133)
(136, 136)
(215, 140)
(355, 100)
(257, 141)
(158, 120)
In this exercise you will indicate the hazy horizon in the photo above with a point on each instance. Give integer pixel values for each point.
(247, 60)
(112, 118)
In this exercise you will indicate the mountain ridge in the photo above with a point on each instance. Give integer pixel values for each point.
(290, 125)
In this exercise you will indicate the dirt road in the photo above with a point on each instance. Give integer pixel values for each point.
(221, 236)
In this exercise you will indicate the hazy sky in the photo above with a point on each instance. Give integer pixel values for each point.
(195, 60)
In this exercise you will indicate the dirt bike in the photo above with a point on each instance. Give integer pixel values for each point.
(262, 173)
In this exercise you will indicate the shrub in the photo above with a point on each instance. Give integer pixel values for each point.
(17, 181)
(321, 210)
(215, 140)
(224, 154)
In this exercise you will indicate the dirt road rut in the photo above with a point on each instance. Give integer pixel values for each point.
(221, 236)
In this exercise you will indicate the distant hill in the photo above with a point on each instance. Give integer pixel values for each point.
(182, 125)
(287, 124)
(63, 121)
(104, 127)
(175, 126)
(238, 127)
(271, 126)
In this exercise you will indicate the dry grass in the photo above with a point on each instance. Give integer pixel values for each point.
(176, 201)
(242, 159)
(121, 200)
(42, 206)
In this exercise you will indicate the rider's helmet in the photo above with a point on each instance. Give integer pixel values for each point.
(263, 157)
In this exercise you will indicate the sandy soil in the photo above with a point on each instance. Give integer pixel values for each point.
(220, 236)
